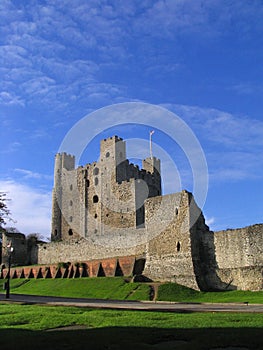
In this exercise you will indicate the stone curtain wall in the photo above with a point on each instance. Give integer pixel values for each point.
(195, 257)
(83, 249)
(240, 247)
(239, 255)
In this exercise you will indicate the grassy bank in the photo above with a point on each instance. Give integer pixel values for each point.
(119, 288)
(175, 292)
(24, 326)
(98, 288)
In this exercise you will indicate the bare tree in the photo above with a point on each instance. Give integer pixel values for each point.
(4, 211)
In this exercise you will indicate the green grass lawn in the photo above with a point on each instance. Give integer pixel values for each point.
(43, 327)
(175, 292)
(26, 326)
(101, 288)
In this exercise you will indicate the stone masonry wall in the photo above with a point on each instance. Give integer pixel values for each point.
(108, 246)
(239, 255)
(239, 247)
(169, 248)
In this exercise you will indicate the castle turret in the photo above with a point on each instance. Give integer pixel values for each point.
(153, 166)
(62, 161)
(113, 157)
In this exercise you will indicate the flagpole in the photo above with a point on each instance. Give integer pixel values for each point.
(151, 153)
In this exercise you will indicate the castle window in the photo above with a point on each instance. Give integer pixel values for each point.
(70, 203)
(95, 199)
(70, 232)
(178, 246)
(96, 181)
(96, 171)
(87, 183)
(176, 211)
(95, 216)
(71, 187)
(55, 232)
(70, 219)
(107, 154)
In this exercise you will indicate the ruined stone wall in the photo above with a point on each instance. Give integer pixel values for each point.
(239, 255)
(18, 242)
(169, 255)
(239, 247)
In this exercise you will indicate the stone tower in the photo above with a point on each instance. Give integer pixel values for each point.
(63, 164)
(104, 196)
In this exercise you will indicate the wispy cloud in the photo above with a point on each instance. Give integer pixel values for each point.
(29, 174)
(8, 99)
(49, 52)
(231, 143)
(210, 221)
(11, 147)
(247, 88)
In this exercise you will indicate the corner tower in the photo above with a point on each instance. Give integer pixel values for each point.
(63, 162)
(113, 157)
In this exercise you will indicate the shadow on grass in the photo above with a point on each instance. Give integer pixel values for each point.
(133, 338)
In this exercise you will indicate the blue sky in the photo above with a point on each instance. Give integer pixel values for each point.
(61, 60)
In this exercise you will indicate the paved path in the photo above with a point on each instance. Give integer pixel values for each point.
(135, 305)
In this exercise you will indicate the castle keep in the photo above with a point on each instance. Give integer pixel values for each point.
(112, 215)
(103, 197)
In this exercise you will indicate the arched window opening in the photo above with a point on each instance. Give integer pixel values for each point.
(176, 211)
(95, 216)
(70, 232)
(96, 181)
(178, 246)
(55, 232)
(71, 187)
(96, 171)
(107, 154)
(70, 203)
(87, 183)
(95, 199)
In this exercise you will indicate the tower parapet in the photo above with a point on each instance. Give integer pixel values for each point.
(152, 165)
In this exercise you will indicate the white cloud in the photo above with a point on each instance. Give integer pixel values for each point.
(7, 98)
(247, 88)
(28, 174)
(30, 207)
(11, 147)
(231, 143)
(209, 221)
(222, 127)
